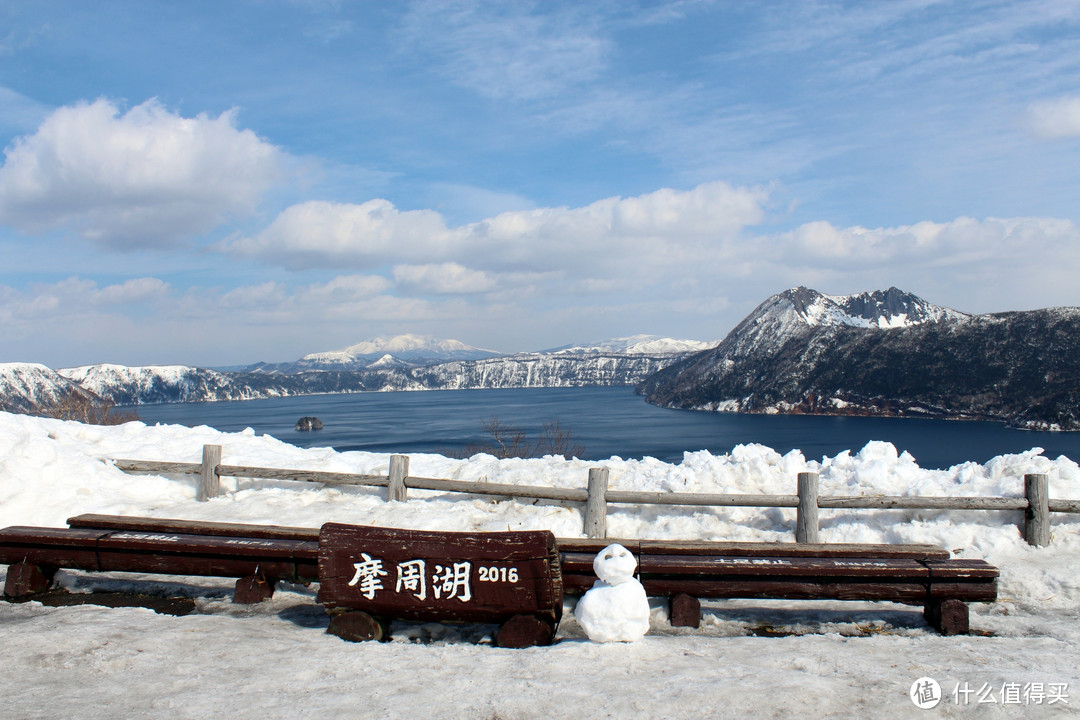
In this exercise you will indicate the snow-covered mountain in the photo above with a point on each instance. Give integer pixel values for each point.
(634, 345)
(25, 387)
(892, 308)
(801, 312)
(535, 370)
(358, 368)
(124, 385)
(885, 353)
(408, 349)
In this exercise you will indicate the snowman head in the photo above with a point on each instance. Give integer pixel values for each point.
(614, 565)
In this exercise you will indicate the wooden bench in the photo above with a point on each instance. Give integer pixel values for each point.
(683, 572)
(258, 559)
(686, 571)
(509, 579)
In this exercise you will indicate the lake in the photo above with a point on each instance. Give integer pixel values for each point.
(606, 420)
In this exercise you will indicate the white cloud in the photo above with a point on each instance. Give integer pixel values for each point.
(504, 50)
(347, 287)
(325, 234)
(962, 241)
(132, 291)
(1056, 118)
(442, 279)
(141, 178)
(635, 235)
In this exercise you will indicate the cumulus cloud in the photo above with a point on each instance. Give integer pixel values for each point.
(1056, 118)
(973, 265)
(961, 241)
(442, 279)
(146, 177)
(326, 234)
(136, 290)
(643, 232)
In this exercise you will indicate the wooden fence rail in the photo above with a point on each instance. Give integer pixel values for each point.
(1036, 503)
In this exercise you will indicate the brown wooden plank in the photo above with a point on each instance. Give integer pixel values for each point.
(766, 567)
(192, 527)
(966, 591)
(54, 537)
(169, 553)
(787, 590)
(50, 547)
(960, 569)
(577, 584)
(806, 550)
(658, 547)
(757, 549)
(166, 543)
(178, 554)
(191, 564)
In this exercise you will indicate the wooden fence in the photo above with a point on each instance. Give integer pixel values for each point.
(1036, 503)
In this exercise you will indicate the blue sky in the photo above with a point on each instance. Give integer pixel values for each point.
(219, 183)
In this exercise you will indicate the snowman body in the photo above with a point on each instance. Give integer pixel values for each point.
(616, 609)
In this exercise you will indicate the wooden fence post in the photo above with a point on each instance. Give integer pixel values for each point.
(596, 505)
(399, 470)
(806, 523)
(209, 481)
(1037, 515)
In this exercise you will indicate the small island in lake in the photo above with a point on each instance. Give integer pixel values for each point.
(309, 423)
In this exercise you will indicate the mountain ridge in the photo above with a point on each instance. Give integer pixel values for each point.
(123, 385)
(897, 355)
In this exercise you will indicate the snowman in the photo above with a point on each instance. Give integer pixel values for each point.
(616, 609)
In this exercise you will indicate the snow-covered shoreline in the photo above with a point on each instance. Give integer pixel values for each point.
(830, 659)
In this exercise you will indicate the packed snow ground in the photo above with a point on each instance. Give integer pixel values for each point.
(749, 659)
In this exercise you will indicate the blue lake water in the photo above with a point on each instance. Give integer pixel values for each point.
(606, 420)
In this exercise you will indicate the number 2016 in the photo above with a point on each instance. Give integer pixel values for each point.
(497, 574)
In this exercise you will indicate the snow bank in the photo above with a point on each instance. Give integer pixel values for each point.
(50, 470)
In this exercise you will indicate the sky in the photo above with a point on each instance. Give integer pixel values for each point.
(216, 184)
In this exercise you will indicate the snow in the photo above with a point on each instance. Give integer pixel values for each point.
(616, 608)
(26, 386)
(750, 658)
(636, 345)
(404, 346)
(103, 378)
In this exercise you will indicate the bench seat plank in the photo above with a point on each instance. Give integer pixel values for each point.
(759, 549)
(192, 527)
(50, 547)
(177, 554)
(853, 569)
(911, 593)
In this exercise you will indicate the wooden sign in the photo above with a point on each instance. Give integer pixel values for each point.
(437, 576)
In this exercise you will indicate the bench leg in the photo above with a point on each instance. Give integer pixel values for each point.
(949, 617)
(253, 589)
(356, 626)
(522, 631)
(25, 579)
(685, 611)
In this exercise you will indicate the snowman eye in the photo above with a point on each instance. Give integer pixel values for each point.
(608, 556)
